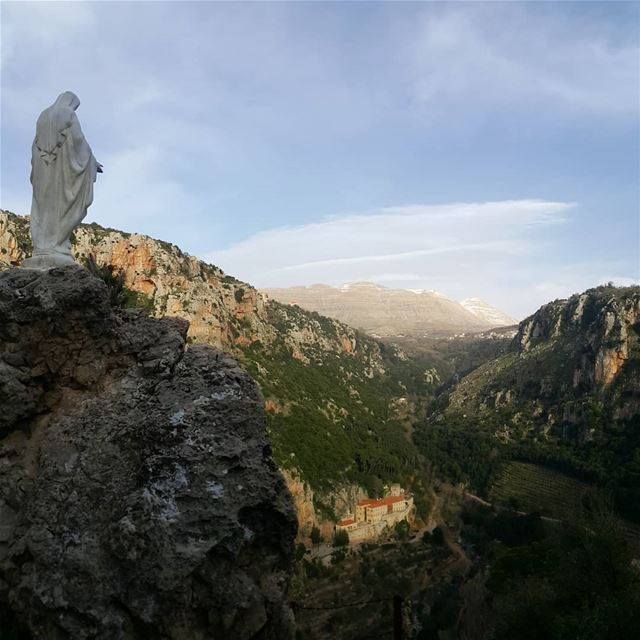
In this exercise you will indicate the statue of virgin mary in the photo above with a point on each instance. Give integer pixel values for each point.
(63, 170)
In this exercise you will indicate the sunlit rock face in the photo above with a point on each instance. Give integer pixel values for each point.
(573, 370)
(138, 498)
(606, 325)
(221, 310)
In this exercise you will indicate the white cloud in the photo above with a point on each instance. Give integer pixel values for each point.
(462, 249)
(41, 26)
(498, 55)
(119, 200)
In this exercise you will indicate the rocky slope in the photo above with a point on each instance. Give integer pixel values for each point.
(138, 498)
(330, 391)
(485, 312)
(570, 361)
(221, 311)
(391, 312)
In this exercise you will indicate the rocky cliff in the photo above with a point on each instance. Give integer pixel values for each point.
(393, 312)
(570, 360)
(221, 310)
(605, 321)
(565, 395)
(138, 498)
(573, 366)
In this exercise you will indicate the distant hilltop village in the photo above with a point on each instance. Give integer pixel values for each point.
(373, 516)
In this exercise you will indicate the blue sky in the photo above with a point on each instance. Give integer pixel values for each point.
(480, 149)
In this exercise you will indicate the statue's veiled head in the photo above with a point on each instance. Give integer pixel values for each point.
(68, 99)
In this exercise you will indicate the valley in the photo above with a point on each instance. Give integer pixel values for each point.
(514, 442)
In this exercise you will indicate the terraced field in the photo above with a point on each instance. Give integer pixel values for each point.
(531, 487)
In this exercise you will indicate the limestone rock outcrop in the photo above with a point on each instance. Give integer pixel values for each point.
(222, 311)
(572, 370)
(605, 324)
(14, 239)
(138, 497)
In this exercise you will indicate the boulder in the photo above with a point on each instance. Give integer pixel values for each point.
(138, 497)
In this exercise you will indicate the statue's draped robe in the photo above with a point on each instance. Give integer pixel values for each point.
(63, 170)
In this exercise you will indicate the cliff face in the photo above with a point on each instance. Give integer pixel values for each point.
(221, 310)
(342, 501)
(605, 324)
(138, 498)
(15, 241)
(573, 365)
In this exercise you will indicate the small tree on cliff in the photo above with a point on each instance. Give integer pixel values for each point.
(341, 539)
(119, 294)
(316, 538)
(402, 530)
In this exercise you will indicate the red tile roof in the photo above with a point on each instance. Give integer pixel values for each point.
(369, 502)
(346, 521)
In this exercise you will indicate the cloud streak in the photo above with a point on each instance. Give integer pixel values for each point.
(473, 243)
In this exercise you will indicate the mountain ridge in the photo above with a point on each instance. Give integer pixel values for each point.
(488, 313)
(383, 311)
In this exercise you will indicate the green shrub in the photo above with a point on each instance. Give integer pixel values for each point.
(119, 294)
(341, 539)
(316, 538)
(576, 582)
(438, 536)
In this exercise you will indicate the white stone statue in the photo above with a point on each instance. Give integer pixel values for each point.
(63, 170)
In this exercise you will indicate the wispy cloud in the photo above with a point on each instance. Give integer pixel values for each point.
(392, 257)
(513, 56)
(475, 243)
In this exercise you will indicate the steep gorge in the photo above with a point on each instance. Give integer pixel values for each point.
(331, 393)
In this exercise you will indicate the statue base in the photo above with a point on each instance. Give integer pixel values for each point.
(43, 261)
